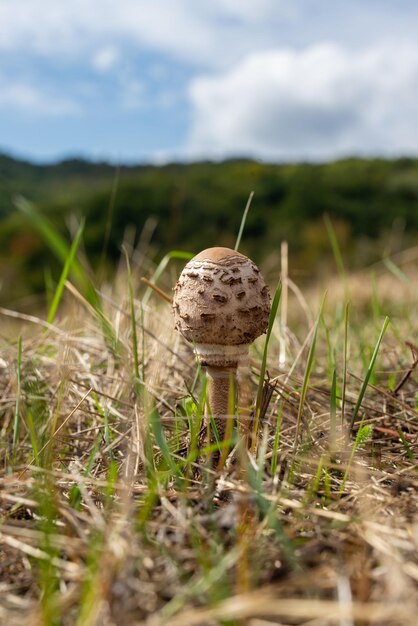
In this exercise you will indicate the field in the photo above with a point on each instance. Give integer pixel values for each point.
(111, 515)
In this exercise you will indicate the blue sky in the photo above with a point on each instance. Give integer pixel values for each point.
(156, 80)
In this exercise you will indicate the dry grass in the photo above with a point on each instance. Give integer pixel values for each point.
(101, 525)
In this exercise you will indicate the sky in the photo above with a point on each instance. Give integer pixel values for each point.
(160, 80)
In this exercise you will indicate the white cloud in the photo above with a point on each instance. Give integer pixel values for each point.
(105, 59)
(26, 98)
(317, 103)
(248, 10)
(184, 28)
(212, 33)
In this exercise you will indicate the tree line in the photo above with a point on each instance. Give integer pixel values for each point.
(372, 205)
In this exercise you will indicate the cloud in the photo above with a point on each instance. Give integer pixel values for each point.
(316, 103)
(210, 34)
(25, 98)
(184, 29)
(105, 58)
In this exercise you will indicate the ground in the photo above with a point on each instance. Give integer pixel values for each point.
(112, 516)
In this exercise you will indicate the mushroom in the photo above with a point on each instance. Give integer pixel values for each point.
(221, 304)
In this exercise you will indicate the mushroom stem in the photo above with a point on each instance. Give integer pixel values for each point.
(218, 394)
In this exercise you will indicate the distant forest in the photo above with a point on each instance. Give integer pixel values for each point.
(372, 204)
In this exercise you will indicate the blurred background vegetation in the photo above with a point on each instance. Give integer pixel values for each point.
(373, 205)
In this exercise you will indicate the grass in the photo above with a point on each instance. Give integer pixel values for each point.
(110, 513)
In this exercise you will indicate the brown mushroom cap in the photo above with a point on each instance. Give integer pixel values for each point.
(221, 299)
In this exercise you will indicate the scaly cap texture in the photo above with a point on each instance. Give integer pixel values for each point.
(221, 299)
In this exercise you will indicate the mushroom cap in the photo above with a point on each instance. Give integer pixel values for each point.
(221, 299)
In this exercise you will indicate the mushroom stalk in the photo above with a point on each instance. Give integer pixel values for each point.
(218, 396)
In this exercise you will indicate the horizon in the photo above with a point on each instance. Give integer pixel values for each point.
(91, 160)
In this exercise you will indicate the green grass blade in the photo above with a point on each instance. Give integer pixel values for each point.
(375, 299)
(407, 447)
(368, 373)
(69, 261)
(109, 216)
(333, 413)
(364, 433)
(157, 429)
(62, 250)
(336, 250)
(345, 359)
(16, 424)
(395, 270)
(55, 241)
(173, 254)
(195, 422)
(268, 512)
(276, 443)
(243, 220)
(33, 436)
(313, 488)
(272, 317)
(308, 371)
(133, 321)
(261, 455)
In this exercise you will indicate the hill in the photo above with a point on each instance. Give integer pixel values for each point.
(373, 205)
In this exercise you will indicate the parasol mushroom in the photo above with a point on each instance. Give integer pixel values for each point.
(221, 304)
